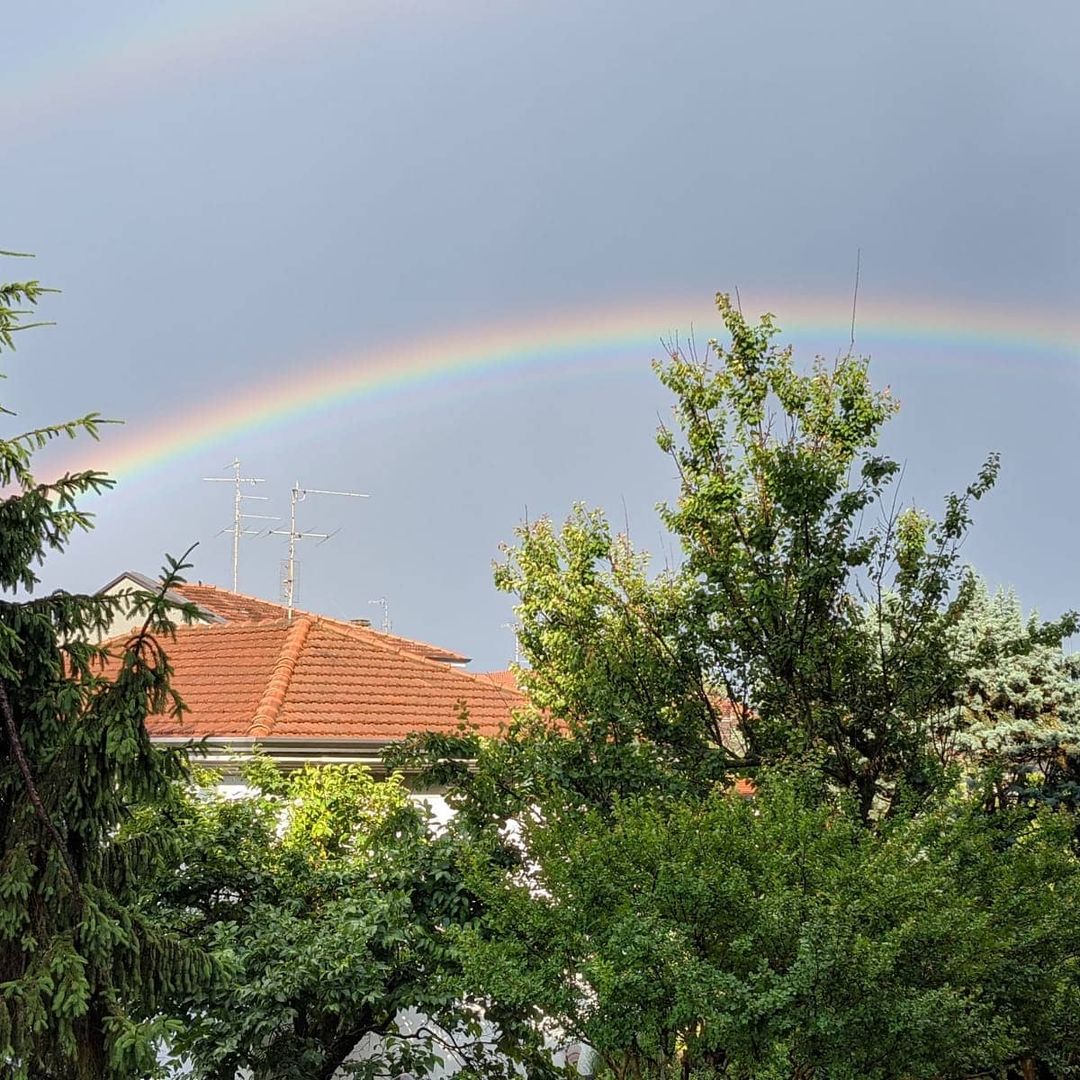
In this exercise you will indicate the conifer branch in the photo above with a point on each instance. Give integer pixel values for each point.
(34, 795)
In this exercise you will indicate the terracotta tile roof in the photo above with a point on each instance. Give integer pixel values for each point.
(318, 679)
(507, 679)
(236, 607)
(233, 607)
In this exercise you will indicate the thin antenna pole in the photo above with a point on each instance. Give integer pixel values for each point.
(297, 495)
(239, 516)
(290, 574)
(855, 297)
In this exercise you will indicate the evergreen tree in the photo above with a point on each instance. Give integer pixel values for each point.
(1016, 717)
(80, 973)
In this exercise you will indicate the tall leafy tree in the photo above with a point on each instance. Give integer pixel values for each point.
(862, 915)
(810, 620)
(80, 972)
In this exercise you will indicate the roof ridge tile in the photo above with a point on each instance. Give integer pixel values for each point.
(278, 686)
(389, 640)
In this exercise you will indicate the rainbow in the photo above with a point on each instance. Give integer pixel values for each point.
(211, 34)
(160, 46)
(558, 345)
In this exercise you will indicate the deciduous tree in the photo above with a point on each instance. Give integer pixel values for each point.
(863, 914)
(332, 907)
(776, 938)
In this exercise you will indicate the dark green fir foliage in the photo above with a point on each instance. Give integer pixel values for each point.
(79, 973)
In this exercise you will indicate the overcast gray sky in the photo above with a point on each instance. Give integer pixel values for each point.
(227, 193)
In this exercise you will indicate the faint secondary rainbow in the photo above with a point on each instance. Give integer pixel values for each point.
(159, 47)
(562, 345)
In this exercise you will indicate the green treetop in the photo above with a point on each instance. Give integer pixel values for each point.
(1015, 718)
(860, 914)
(809, 613)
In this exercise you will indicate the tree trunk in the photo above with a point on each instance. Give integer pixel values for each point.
(336, 1053)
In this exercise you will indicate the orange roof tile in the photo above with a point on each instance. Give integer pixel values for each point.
(319, 679)
(233, 607)
(506, 679)
(236, 607)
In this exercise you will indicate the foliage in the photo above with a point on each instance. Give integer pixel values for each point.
(819, 614)
(862, 915)
(331, 906)
(779, 938)
(80, 972)
(1016, 716)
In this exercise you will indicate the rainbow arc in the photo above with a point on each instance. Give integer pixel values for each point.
(556, 345)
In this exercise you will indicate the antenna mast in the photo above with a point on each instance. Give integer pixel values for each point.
(239, 517)
(297, 495)
(385, 605)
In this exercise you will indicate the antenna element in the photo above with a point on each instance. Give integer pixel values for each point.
(855, 299)
(239, 517)
(297, 495)
(513, 628)
(385, 605)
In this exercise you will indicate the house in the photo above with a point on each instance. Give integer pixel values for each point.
(309, 689)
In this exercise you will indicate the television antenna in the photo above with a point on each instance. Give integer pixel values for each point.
(298, 495)
(385, 605)
(239, 517)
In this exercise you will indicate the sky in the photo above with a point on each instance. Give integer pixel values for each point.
(427, 251)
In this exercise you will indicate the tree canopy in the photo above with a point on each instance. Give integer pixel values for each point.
(777, 937)
(798, 807)
(330, 904)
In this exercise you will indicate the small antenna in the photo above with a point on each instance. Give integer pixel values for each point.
(297, 495)
(855, 298)
(385, 605)
(239, 517)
